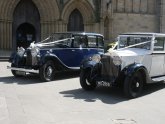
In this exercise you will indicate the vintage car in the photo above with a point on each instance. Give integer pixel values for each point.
(58, 52)
(138, 60)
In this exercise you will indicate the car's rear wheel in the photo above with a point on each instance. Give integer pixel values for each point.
(47, 71)
(133, 85)
(85, 81)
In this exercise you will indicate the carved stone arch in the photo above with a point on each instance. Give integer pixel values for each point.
(26, 24)
(48, 9)
(84, 7)
(13, 4)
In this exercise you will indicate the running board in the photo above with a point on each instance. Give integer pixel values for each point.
(24, 70)
(157, 79)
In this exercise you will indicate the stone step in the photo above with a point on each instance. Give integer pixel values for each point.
(6, 58)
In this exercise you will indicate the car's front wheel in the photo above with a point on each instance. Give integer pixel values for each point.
(133, 85)
(47, 71)
(85, 81)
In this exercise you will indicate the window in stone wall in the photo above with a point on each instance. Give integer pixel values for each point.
(136, 6)
(120, 5)
(128, 6)
(115, 5)
(144, 6)
(151, 6)
(75, 22)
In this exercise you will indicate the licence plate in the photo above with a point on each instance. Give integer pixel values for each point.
(103, 83)
(20, 72)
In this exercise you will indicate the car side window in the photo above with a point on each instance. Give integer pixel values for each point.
(92, 41)
(80, 41)
(159, 44)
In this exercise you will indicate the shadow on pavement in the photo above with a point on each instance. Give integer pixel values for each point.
(29, 79)
(67, 75)
(34, 79)
(108, 95)
(151, 88)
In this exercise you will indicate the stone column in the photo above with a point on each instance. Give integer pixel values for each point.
(10, 36)
(59, 26)
(43, 30)
(6, 35)
(1, 34)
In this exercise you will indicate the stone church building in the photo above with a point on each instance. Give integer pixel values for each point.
(24, 21)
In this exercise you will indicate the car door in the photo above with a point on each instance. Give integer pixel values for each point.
(158, 57)
(85, 46)
(72, 56)
(79, 50)
(66, 53)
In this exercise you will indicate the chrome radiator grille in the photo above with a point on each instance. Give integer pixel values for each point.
(109, 70)
(29, 58)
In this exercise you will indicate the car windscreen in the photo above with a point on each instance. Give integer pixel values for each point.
(142, 42)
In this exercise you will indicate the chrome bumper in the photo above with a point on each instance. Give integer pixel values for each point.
(24, 70)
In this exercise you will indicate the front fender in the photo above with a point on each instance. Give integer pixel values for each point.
(133, 68)
(16, 59)
(47, 57)
(59, 64)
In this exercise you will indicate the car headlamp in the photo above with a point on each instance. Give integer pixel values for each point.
(20, 51)
(34, 51)
(96, 58)
(117, 60)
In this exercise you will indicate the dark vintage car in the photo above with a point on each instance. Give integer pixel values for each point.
(58, 52)
(137, 60)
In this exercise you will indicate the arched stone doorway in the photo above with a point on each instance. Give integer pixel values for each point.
(26, 24)
(75, 21)
(25, 34)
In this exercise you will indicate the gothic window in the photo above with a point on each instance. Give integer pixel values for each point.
(75, 21)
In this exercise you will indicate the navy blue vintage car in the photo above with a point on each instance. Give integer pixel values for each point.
(58, 52)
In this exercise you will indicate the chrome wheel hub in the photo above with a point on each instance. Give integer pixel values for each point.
(49, 71)
(137, 84)
(87, 82)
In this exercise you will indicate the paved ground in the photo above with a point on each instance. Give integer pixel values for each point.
(29, 101)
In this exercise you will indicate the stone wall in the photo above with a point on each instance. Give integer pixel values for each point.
(115, 17)
(135, 6)
(123, 22)
(135, 16)
(162, 16)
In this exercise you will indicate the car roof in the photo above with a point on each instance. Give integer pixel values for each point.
(143, 33)
(79, 33)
